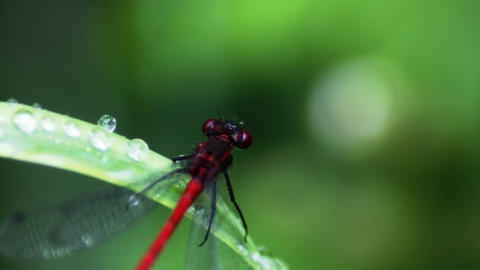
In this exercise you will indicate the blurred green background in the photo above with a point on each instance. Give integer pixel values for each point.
(365, 118)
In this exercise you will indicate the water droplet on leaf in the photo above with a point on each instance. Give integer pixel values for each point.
(136, 149)
(107, 122)
(262, 250)
(202, 215)
(47, 123)
(25, 121)
(12, 101)
(71, 129)
(100, 138)
(47, 254)
(243, 250)
(87, 240)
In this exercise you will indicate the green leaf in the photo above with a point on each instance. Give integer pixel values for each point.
(43, 137)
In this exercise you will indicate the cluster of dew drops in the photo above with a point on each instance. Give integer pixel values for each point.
(99, 137)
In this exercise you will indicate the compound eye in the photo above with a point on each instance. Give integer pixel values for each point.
(210, 127)
(246, 140)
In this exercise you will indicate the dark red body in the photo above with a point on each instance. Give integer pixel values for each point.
(210, 159)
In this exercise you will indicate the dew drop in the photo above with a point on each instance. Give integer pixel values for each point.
(243, 250)
(262, 250)
(134, 201)
(256, 256)
(136, 149)
(202, 215)
(47, 254)
(107, 122)
(59, 253)
(99, 138)
(263, 261)
(279, 264)
(69, 250)
(87, 240)
(71, 129)
(25, 121)
(47, 123)
(12, 101)
(37, 106)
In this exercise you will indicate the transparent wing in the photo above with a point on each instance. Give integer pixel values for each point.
(214, 254)
(165, 188)
(57, 229)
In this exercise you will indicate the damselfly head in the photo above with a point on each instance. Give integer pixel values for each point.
(236, 134)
